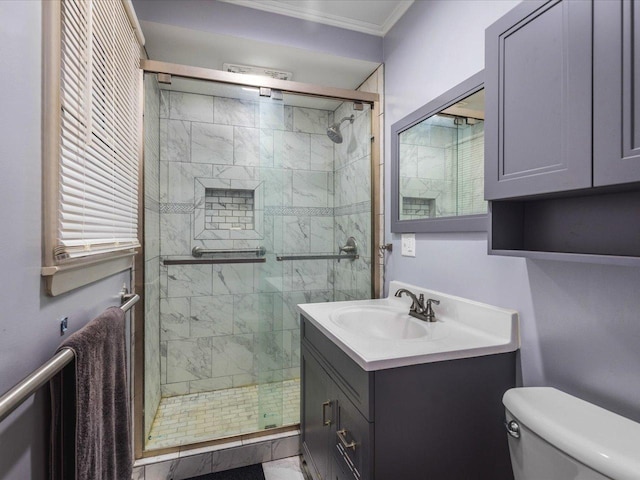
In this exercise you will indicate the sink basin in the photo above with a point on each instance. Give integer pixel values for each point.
(383, 322)
(379, 333)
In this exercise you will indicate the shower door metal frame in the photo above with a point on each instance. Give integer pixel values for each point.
(286, 86)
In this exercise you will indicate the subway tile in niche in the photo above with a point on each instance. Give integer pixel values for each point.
(229, 209)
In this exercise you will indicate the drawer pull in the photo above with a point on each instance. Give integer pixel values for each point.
(342, 436)
(324, 420)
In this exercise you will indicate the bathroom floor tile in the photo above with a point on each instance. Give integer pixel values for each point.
(284, 469)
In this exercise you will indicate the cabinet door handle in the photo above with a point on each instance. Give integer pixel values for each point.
(342, 436)
(324, 420)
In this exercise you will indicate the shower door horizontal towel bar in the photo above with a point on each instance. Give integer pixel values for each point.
(209, 261)
(330, 256)
(199, 251)
(29, 385)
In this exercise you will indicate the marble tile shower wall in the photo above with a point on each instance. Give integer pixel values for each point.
(428, 163)
(353, 202)
(151, 248)
(215, 319)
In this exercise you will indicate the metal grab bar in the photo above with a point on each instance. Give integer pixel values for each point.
(350, 248)
(213, 261)
(29, 385)
(199, 251)
(329, 256)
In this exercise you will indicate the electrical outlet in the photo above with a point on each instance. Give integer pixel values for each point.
(408, 245)
(64, 324)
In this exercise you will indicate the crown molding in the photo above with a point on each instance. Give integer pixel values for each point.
(280, 8)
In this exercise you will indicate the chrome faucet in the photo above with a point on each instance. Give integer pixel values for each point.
(418, 308)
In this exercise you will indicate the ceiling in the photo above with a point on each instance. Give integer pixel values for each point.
(372, 17)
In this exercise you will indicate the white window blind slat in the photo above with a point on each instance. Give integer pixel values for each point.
(98, 189)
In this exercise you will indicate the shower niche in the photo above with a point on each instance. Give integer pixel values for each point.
(227, 210)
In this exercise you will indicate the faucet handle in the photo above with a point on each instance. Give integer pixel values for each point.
(428, 310)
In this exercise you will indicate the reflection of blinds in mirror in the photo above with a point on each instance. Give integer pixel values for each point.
(471, 170)
(99, 97)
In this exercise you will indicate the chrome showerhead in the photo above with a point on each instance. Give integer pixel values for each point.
(333, 132)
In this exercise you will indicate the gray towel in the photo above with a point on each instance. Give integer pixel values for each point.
(102, 424)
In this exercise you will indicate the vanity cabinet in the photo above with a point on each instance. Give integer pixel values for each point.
(441, 420)
(562, 131)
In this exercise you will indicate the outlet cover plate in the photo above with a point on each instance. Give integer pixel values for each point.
(408, 245)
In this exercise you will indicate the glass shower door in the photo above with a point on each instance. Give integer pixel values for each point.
(256, 178)
(317, 194)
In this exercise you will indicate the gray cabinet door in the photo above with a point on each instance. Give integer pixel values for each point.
(538, 88)
(616, 92)
(317, 416)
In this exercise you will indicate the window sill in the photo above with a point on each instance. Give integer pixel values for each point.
(66, 277)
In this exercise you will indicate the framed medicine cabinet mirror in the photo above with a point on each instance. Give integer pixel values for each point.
(437, 164)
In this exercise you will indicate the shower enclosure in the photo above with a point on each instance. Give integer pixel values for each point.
(247, 201)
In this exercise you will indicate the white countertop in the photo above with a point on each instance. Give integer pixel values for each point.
(463, 329)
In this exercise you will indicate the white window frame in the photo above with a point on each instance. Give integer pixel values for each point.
(67, 272)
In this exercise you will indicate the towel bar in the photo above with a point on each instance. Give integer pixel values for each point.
(29, 385)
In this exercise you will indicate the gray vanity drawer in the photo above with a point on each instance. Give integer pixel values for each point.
(356, 383)
(353, 440)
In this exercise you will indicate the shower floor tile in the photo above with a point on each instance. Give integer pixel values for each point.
(199, 417)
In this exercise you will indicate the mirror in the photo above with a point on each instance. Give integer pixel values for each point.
(438, 164)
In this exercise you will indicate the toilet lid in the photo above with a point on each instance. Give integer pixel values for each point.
(602, 440)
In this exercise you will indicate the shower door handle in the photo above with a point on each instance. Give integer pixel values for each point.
(325, 422)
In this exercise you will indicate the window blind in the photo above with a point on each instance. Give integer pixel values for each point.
(99, 134)
(471, 173)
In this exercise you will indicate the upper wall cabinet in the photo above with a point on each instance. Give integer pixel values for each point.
(562, 131)
(616, 102)
(538, 99)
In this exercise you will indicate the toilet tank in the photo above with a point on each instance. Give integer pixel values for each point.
(561, 437)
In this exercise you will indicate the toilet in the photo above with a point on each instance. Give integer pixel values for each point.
(555, 436)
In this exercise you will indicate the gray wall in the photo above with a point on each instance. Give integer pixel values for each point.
(580, 323)
(228, 19)
(29, 319)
